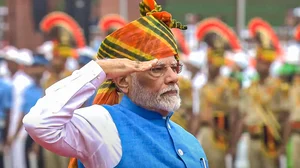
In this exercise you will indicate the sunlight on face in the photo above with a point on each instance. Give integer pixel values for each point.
(155, 94)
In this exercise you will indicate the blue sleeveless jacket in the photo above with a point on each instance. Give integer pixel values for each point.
(152, 141)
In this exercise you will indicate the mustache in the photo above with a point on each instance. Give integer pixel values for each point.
(169, 88)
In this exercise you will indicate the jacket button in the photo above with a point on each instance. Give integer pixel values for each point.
(180, 152)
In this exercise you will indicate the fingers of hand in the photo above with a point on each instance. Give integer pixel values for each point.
(144, 66)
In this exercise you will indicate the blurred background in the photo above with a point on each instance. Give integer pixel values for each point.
(20, 19)
(239, 86)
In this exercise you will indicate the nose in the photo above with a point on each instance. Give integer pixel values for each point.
(171, 76)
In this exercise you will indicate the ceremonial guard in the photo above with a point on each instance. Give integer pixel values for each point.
(291, 70)
(215, 123)
(66, 36)
(193, 63)
(261, 100)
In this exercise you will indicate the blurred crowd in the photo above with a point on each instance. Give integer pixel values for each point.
(240, 95)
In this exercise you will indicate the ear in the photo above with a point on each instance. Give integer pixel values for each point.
(122, 83)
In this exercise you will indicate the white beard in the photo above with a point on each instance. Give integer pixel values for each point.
(152, 100)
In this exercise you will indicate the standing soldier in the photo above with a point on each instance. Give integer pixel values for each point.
(260, 101)
(236, 84)
(190, 81)
(292, 131)
(31, 94)
(215, 124)
(190, 89)
(294, 127)
(18, 64)
(66, 36)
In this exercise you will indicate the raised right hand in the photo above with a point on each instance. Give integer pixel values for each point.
(122, 66)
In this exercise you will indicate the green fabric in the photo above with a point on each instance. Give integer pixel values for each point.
(238, 76)
(287, 69)
(297, 70)
(255, 77)
(289, 150)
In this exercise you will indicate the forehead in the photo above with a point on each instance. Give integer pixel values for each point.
(167, 60)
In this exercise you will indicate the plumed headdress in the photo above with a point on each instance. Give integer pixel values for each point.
(110, 23)
(68, 34)
(268, 48)
(219, 37)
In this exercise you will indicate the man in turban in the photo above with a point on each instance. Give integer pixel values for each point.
(141, 62)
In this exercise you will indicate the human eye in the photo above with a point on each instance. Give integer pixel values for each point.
(174, 68)
(158, 69)
(177, 68)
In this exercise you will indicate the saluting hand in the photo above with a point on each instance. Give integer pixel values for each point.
(122, 66)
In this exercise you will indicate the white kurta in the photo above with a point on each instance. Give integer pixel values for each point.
(87, 133)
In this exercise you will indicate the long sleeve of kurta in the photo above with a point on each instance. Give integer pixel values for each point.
(56, 123)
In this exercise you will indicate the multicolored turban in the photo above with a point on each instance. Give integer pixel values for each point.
(144, 39)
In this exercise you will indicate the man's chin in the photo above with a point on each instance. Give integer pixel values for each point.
(170, 106)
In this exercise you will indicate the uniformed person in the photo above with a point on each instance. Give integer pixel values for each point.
(291, 136)
(260, 101)
(66, 37)
(294, 121)
(190, 87)
(214, 119)
(190, 81)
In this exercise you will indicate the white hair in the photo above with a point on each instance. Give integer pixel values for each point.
(154, 100)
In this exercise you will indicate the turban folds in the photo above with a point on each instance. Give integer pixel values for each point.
(144, 39)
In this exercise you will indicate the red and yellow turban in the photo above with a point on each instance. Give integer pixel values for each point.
(110, 23)
(68, 31)
(269, 48)
(144, 39)
(182, 44)
(219, 37)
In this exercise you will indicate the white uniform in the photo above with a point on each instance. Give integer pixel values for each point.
(16, 156)
(198, 59)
